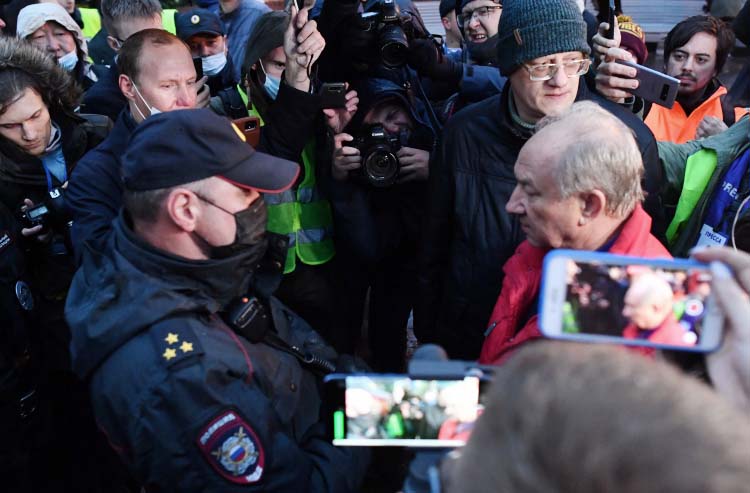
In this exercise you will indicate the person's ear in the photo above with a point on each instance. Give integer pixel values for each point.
(446, 22)
(126, 87)
(183, 209)
(226, 45)
(592, 205)
(114, 44)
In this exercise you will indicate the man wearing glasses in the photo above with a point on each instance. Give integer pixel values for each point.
(479, 19)
(542, 49)
(467, 75)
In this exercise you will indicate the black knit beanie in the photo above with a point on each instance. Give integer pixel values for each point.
(531, 29)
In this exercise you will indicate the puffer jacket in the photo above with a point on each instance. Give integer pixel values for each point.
(510, 326)
(468, 234)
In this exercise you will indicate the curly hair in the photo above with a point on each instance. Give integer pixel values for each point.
(23, 66)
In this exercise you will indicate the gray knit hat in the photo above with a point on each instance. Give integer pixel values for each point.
(531, 29)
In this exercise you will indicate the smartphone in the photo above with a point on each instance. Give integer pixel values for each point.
(332, 95)
(600, 297)
(395, 410)
(198, 64)
(250, 128)
(654, 86)
(611, 19)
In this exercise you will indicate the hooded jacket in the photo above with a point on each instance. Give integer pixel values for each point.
(34, 16)
(468, 233)
(189, 404)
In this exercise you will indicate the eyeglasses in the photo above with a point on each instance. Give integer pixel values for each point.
(480, 12)
(546, 71)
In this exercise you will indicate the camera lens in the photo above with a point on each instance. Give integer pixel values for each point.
(381, 167)
(394, 46)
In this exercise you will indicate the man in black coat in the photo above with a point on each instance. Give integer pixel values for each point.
(542, 49)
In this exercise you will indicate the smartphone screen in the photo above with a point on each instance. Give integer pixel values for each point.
(395, 410)
(601, 297)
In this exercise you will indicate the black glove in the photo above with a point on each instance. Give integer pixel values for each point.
(426, 58)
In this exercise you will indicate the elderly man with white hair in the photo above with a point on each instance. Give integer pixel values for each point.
(48, 27)
(649, 307)
(578, 187)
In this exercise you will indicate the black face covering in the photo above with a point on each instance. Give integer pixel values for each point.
(250, 232)
(483, 53)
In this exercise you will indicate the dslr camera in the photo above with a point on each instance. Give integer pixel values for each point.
(53, 215)
(384, 20)
(378, 148)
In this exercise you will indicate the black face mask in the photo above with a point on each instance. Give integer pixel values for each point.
(250, 232)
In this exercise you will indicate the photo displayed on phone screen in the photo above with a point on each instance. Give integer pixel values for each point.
(396, 410)
(658, 305)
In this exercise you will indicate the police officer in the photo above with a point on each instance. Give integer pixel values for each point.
(192, 397)
(18, 378)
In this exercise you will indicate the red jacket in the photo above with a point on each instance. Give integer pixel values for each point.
(523, 275)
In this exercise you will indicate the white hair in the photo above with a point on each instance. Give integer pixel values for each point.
(603, 156)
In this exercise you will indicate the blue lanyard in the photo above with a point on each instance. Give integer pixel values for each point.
(49, 175)
(726, 193)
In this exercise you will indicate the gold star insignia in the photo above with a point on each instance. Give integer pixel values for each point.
(171, 338)
(169, 353)
(186, 347)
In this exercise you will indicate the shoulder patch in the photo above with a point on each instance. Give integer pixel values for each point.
(232, 448)
(5, 240)
(175, 341)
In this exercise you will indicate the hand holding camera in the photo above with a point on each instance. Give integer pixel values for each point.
(33, 220)
(415, 165)
(345, 158)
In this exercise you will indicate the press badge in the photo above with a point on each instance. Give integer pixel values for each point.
(709, 237)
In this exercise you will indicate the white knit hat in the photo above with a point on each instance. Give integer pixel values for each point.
(32, 17)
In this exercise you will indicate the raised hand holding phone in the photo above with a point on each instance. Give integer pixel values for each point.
(303, 45)
(655, 303)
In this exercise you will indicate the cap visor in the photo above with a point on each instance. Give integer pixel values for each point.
(264, 173)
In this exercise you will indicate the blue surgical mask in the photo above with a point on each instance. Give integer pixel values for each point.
(151, 110)
(214, 64)
(271, 85)
(68, 61)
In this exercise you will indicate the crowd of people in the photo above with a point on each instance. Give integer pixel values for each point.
(205, 210)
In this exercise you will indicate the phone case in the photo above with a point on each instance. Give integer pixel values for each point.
(545, 322)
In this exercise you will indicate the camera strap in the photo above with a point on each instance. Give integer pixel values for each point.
(249, 317)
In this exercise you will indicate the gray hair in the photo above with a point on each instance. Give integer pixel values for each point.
(113, 11)
(603, 156)
(144, 205)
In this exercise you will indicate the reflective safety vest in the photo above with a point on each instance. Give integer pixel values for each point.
(673, 125)
(92, 23)
(300, 213)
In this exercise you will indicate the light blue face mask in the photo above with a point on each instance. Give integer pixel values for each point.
(271, 85)
(68, 61)
(214, 64)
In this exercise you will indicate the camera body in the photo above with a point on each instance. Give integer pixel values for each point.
(380, 165)
(51, 213)
(384, 20)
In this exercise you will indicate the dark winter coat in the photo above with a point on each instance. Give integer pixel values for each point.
(469, 235)
(189, 404)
